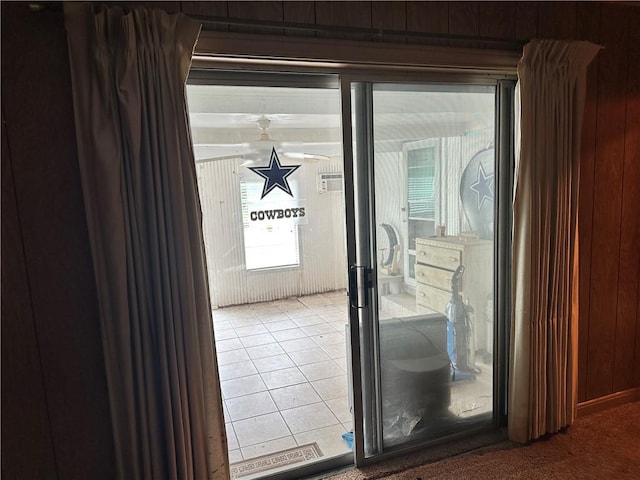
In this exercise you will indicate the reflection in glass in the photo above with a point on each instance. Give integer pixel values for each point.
(434, 183)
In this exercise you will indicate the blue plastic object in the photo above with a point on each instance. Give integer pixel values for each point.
(348, 439)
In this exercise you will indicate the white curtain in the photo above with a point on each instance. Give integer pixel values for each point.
(544, 340)
(128, 74)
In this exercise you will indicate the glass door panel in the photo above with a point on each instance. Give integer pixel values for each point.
(419, 215)
(270, 176)
(430, 165)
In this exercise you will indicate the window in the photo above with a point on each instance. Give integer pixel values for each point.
(421, 192)
(421, 184)
(422, 163)
(268, 244)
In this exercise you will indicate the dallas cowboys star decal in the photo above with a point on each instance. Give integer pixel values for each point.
(275, 175)
(483, 186)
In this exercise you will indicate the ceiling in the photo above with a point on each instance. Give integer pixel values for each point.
(224, 118)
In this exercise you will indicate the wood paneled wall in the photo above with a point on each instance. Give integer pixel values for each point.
(407, 21)
(609, 215)
(55, 415)
(55, 412)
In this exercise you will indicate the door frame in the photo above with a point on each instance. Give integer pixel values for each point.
(358, 61)
(362, 256)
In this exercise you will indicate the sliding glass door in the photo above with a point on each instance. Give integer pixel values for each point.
(314, 187)
(423, 277)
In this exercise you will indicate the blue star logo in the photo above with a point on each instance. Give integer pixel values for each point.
(275, 175)
(483, 186)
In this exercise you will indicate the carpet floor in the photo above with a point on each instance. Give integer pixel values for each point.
(600, 446)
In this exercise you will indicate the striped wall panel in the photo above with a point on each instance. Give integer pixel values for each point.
(322, 239)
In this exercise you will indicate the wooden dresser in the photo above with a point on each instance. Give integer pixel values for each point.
(436, 260)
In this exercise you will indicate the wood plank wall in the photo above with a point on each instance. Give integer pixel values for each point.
(55, 412)
(55, 415)
(609, 213)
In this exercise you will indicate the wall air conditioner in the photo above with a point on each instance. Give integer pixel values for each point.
(330, 182)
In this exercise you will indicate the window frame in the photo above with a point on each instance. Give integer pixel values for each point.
(246, 225)
(409, 253)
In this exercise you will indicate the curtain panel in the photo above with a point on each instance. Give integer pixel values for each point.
(128, 73)
(544, 340)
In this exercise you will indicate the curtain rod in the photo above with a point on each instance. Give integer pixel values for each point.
(355, 32)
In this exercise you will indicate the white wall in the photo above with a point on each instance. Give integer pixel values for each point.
(322, 239)
(391, 184)
(323, 250)
(456, 152)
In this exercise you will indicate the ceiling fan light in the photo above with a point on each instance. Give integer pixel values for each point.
(263, 124)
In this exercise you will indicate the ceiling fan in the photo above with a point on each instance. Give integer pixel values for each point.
(260, 150)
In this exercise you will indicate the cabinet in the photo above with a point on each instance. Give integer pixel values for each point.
(436, 260)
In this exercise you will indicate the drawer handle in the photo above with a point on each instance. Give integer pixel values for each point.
(421, 253)
(420, 274)
(422, 294)
(453, 259)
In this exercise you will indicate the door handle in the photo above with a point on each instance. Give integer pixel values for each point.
(360, 282)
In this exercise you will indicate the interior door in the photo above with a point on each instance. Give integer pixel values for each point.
(422, 279)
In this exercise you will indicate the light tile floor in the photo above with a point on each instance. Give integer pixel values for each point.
(283, 375)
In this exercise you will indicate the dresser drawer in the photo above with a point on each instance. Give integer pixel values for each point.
(431, 297)
(447, 258)
(436, 277)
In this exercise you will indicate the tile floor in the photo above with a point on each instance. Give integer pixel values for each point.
(283, 375)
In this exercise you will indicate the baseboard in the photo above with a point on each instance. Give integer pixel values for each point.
(608, 401)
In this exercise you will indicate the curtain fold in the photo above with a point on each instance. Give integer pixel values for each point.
(544, 340)
(128, 74)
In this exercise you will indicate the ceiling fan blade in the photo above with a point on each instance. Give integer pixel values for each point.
(260, 149)
(309, 157)
(305, 157)
(217, 159)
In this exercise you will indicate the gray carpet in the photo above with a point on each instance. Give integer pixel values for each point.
(601, 446)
